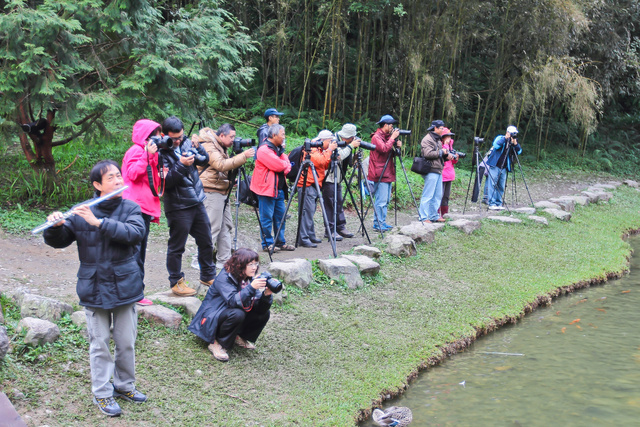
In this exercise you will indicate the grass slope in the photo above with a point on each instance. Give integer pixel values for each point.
(330, 352)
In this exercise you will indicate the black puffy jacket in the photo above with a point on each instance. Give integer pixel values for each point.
(183, 188)
(109, 275)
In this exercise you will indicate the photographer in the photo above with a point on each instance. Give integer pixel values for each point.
(499, 164)
(186, 214)
(236, 307)
(215, 180)
(273, 118)
(139, 165)
(431, 149)
(348, 135)
(448, 173)
(385, 140)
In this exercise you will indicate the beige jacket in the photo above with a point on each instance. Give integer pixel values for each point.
(215, 178)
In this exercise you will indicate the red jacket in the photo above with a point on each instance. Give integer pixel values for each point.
(321, 159)
(269, 169)
(134, 170)
(379, 156)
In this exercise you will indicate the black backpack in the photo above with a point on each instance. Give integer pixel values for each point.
(294, 158)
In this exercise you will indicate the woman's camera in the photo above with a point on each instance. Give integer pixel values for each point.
(274, 285)
(163, 142)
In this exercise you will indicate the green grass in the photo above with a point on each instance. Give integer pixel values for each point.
(329, 352)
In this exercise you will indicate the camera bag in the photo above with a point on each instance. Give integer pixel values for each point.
(294, 157)
(421, 165)
(245, 194)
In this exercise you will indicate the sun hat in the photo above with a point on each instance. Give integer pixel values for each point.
(348, 131)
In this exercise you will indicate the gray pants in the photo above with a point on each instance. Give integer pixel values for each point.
(307, 229)
(221, 226)
(103, 367)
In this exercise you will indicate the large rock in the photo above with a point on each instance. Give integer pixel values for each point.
(39, 331)
(43, 308)
(455, 216)
(604, 197)
(190, 304)
(566, 204)
(465, 225)
(433, 226)
(610, 186)
(505, 219)
(160, 314)
(546, 204)
(592, 196)
(538, 219)
(400, 245)
(419, 232)
(370, 251)
(579, 200)
(295, 271)
(527, 210)
(631, 183)
(341, 268)
(559, 214)
(365, 264)
(9, 417)
(4, 342)
(79, 318)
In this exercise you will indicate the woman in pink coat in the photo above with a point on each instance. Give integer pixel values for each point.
(138, 160)
(448, 172)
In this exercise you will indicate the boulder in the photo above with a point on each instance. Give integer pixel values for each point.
(159, 314)
(190, 304)
(280, 297)
(470, 217)
(604, 197)
(612, 186)
(295, 271)
(8, 414)
(538, 219)
(370, 251)
(615, 184)
(419, 232)
(365, 264)
(4, 342)
(79, 318)
(341, 268)
(43, 308)
(546, 204)
(465, 225)
(39, 331)
(400, 245)
(579, 200)
(433, 226)
(565, 204)
(631, 183)
(505, 219)
(559, 214)
(527, 210)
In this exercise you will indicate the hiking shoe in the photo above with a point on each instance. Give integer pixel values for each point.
(285, 247)
(182, 290)
(218, 352)
(345, 233)
(272, 249)
(241, 342)
(207, 283)
(145, 301)
(131, 396)
(107, 406)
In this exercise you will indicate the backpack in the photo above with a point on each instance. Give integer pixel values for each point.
(295, 158)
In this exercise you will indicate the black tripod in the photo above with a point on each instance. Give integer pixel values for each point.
(304, 171)
(476, 165)
(511, 154)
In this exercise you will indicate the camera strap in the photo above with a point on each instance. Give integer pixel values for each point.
(150, 177)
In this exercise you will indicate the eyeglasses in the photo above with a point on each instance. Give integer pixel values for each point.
(177, 138)
(254, 264)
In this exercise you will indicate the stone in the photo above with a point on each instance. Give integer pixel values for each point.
(538, 219)
(505, 219)
(8, 414)
(341, 268)
(39, 331)
(579, 200)
(434, 226)
(465, 225)
(159, 314)
(190, 304)
(280, 297)
(565, 204)
(615, 184)
(33, 305)
(366, 265)
(603, 187)
(527, 210)
(470, 217)
(546, 204)
(370, 251)
(631, 183)
(604, 197)
(4, 342)
(295, 272)
(419, 232)
(559, 214)
(400, 245)
(79, 318)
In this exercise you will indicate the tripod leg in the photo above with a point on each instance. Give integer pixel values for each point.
(523, 179)
(301, 202)
(358, 212)
(468, 188)
(406, 177)
(324, 213)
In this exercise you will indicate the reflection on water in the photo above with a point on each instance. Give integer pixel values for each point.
(574, 363)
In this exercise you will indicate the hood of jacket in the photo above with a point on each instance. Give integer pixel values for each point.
(141, 131)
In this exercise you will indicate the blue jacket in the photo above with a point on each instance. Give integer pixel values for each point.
(498, 147)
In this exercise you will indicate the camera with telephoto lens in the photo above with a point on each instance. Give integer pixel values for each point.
(459, 153)
(367, 146)
(309, 144)
(239, 144)
(477, 140)
(197, 157)
(403, 132)
(274, 285)
(341, 143)
(162, 142)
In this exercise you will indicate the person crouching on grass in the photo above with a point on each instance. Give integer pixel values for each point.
(236, 307)
(108, 236)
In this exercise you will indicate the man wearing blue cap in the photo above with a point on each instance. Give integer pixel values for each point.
(385, 139)
(499, 164)
(273, 118)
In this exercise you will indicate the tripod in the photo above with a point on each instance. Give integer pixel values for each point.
(304, 171)
(476, 164)
(511, 154)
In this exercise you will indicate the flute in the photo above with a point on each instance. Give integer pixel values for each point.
(69, 213)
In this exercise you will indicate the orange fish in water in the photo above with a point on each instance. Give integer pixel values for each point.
(563, 329)
(557, 313)
(593, 326)
(625, 292)
(575, 321)
(582, 300)
(601, 309)
(579, 327)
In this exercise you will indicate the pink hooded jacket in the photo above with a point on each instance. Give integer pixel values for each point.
(448, 172)
(134, 170)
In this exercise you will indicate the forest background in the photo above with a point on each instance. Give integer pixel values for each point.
(566, 72)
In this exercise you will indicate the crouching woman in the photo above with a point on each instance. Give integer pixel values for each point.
(236, 307)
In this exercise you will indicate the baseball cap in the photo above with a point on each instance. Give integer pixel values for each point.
(436, 124)
(272, 112)
(512, 130)
(348, 131)
(325, 134)
(387, 120)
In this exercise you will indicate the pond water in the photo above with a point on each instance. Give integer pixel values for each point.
(573, 363)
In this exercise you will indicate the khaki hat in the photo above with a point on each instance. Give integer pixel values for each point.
(325, 134)
(348, 131)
